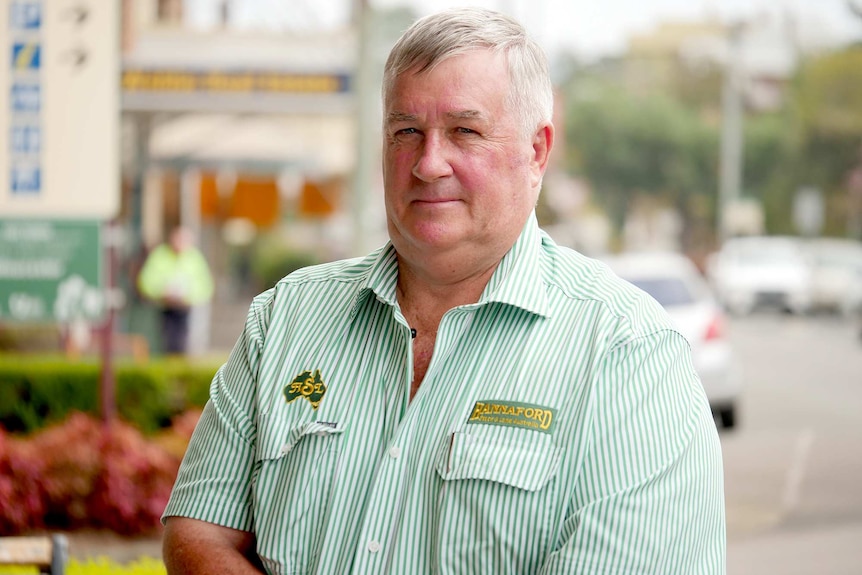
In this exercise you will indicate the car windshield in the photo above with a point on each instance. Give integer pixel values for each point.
(668, 292)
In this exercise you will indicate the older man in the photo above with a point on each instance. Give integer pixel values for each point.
(470, 398)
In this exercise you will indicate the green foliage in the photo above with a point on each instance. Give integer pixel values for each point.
(823, 132)
(39, 390)
(627, 145)
(33, 393)
(272, 259)
(829, 93)
(660, 140)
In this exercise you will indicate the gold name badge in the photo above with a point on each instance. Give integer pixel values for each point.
(513, 414)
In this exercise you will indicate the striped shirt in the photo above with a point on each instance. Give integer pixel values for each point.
(560, 428)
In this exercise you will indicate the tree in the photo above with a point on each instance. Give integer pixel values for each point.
(628, 147)
(826, 103)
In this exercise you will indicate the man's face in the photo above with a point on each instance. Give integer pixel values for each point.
(459, 173)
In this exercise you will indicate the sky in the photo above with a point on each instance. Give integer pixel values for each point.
(587, 27)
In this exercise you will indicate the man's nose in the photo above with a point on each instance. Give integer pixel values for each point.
(433, 160)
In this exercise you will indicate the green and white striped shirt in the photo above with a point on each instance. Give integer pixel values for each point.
(560, 428)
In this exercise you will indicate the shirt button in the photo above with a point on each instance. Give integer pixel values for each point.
(394, 452)
(374, 546)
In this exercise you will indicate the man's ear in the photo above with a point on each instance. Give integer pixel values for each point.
(543, 142)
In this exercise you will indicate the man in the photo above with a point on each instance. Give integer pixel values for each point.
(176, 277)
(470, 398)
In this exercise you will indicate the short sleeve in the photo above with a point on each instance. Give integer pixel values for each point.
(650, 498)
(214, 479)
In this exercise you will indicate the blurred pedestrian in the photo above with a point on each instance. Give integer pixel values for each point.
(470, 397)
(176, 277)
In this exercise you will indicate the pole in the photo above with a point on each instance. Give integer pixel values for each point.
(364, 99)
(730, 176)
(107, 398)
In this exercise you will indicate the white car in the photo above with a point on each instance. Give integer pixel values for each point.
(674, 281)
(751, 272)
(836, 278)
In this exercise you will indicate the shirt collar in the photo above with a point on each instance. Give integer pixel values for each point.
(381, 278)
(518, 280)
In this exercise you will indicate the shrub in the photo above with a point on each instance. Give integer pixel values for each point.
(22, 504)
(36, 391)
(272, 259)
(86, 474)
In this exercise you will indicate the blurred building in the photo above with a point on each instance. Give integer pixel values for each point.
(239, 134)
(235, 124)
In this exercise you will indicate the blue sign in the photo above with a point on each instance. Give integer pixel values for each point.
(26, 140)
(25, 16)
(26, 180)
(25, 98)
(26, 56)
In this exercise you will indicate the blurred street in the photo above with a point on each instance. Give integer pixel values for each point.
(793, 467)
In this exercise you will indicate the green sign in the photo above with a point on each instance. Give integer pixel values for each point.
(51, 271)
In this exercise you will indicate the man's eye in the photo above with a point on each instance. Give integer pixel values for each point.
(465, 131)
(406, 132)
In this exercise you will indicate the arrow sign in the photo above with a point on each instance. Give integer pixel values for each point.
(78, 57)
(78, 14)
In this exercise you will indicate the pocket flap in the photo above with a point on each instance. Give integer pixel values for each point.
(527, 464)
(277, 443)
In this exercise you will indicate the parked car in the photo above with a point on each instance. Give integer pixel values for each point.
(759, 271)
(836, 274)
(674, 281)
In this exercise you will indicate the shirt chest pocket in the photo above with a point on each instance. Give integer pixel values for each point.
(295, 468)
(498, 502)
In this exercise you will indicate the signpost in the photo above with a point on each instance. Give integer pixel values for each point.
(59, 163)
(48, 272)
(59, 108)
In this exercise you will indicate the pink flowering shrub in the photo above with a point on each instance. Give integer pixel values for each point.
(22, 504)
(86, 474)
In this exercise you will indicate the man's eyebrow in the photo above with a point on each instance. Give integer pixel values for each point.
(393, 117)
(466, 115)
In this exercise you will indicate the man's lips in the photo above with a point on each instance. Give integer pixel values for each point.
(435, 200)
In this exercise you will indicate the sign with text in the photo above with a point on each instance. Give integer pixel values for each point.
(59, 109)
(51, 271)
(229, 82)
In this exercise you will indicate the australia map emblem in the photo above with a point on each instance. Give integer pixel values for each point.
(307, 385)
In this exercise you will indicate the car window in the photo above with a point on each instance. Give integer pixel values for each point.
(667, 291)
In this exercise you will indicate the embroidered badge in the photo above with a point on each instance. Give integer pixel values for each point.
(512, 414)
(306, 385)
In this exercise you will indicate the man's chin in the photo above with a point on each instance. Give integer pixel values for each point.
(431, 238)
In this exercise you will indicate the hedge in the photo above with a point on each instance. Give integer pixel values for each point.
(38, 390)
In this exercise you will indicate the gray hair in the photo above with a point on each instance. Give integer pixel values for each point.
(435, 38)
